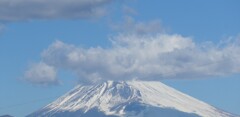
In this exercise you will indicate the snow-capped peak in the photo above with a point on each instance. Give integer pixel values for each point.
(131, 98)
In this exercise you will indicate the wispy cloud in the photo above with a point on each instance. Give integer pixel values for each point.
(129, 10)
(131, 26)
(25, 10)
(144, 57)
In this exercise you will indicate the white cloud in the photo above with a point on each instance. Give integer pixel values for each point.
(141, 51)
(18, 10)
(41, 73)
(144, 57)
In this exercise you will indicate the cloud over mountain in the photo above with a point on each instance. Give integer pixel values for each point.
(145, 57)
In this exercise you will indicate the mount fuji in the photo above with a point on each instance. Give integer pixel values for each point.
(128, 99)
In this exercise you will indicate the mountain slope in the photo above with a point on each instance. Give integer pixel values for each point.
(130, 99)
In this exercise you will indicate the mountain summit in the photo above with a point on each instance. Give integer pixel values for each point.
(128, 99)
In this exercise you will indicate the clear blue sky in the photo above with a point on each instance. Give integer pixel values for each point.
(22, 40)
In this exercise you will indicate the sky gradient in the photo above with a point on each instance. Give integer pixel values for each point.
(29, 29)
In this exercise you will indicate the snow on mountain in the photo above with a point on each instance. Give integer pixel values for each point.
(128, 99)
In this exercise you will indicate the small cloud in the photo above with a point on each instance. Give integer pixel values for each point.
(25, 10)
(131, 26)
(41, 73)
(129, 11)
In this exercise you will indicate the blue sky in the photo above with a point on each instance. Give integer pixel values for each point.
(24, 36)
